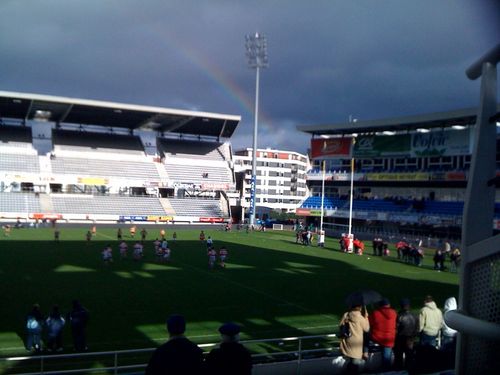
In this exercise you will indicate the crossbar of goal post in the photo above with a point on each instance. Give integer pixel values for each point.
(277, 226)
(333, 229)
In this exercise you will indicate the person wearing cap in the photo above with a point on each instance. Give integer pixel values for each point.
(178, 355)
(406, 331)
(383, 330)
(230, 357)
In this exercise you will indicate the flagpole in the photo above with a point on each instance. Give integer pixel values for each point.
(352, 189)
(322, 198)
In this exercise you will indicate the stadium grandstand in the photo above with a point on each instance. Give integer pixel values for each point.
(429, 166)
(410, 173)
(77, 160)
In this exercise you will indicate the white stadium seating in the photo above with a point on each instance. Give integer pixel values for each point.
(196, 207)
(106, 205)
(105, 168)
(19, 202)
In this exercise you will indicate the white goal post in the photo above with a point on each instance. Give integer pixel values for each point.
(277, 226)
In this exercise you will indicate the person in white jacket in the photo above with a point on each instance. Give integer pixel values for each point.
(448, 335)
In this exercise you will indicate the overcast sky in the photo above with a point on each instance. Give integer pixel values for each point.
(329, 59)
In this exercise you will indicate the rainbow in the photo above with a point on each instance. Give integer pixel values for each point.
(215, 74)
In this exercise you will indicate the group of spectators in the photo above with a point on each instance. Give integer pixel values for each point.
(414, 254)
(440, 256)
(410, 253)
(51, 327)
(395, 333)
(179, 355)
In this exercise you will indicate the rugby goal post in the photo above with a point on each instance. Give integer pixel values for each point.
(277, 226)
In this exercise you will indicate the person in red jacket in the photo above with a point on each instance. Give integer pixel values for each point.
(383, 330)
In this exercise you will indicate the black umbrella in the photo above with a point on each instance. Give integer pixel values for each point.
(363, 297)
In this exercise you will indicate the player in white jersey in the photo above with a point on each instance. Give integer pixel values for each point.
(166, 254)
(123, 249)
(159, 253)
(212, 255)
(164, 244)
(157, 245)
(210, 242)
(138, 251)
(107, 255)
(222, 256)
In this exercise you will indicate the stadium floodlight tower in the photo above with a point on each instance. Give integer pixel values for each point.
(256, 46)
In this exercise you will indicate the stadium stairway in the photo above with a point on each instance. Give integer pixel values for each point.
(45, 165)
(46, 203)
(169, 210)
(161, 171)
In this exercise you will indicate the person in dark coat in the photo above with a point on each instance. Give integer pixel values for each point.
(230, 357)
(78, 318)
(178, 355)
(406, 332)
(439, 257)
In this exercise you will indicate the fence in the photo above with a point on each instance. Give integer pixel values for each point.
(134, 361)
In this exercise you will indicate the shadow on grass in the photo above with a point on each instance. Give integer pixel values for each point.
(272, 287)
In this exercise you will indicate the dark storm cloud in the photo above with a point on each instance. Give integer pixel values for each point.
(328, 59)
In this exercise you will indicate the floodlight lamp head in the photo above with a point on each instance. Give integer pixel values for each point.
(423, 130)
(42, 115)
(256, 50)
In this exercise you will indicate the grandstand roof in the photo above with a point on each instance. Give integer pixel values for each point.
(408, 123)
(23, 106)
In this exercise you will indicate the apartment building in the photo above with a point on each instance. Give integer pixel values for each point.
(281, 178)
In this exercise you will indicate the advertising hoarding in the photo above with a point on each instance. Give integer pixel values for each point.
(331, 148)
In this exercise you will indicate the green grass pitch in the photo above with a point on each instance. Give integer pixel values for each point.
(271, 286)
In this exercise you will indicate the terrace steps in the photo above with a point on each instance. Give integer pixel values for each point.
(46, 203)
(165, 202)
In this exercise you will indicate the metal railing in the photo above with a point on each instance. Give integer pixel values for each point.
(119, 361)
